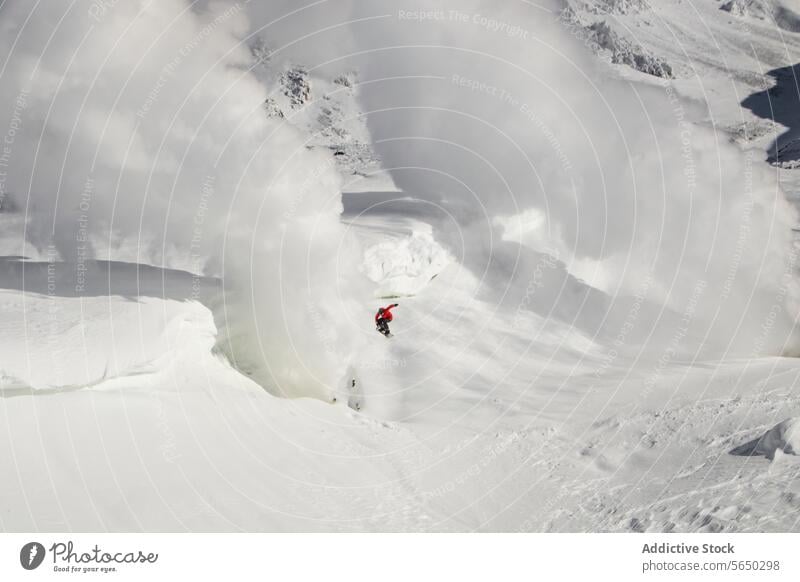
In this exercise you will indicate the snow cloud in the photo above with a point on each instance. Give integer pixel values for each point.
(500, 113)
(142, 136)
(136, 131)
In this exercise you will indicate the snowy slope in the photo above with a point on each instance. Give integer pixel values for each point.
(491, 409)
(525, 418)
(512, 430)
(734, 58)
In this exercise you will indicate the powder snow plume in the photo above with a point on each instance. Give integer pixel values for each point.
(502, 115)
(141, 136)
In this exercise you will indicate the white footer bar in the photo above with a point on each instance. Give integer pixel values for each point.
(406, 557)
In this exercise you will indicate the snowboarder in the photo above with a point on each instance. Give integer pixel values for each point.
(383, 317)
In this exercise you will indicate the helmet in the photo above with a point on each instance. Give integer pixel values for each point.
(380, 310)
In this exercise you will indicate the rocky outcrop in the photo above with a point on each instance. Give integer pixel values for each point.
(619, 7)
(296, 85)
(625, 52)
(770, 11)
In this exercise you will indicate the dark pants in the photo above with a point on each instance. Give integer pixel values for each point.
(383, 326)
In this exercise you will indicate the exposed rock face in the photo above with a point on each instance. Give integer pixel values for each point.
(754, 8)
(787, 156)
(770, 11)
(784, 437)
(272, 108)
(328, 110)
(296, 86)
(624, 52)
(749, 131)
(619, 7)
(580, 17)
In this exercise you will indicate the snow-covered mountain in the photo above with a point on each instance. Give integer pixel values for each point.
(733, 57)
(545, 373)
(328, 111)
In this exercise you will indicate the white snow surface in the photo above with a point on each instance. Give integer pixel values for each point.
(121, 416)
(490, 409)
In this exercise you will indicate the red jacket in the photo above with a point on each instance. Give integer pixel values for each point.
(387, 314)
